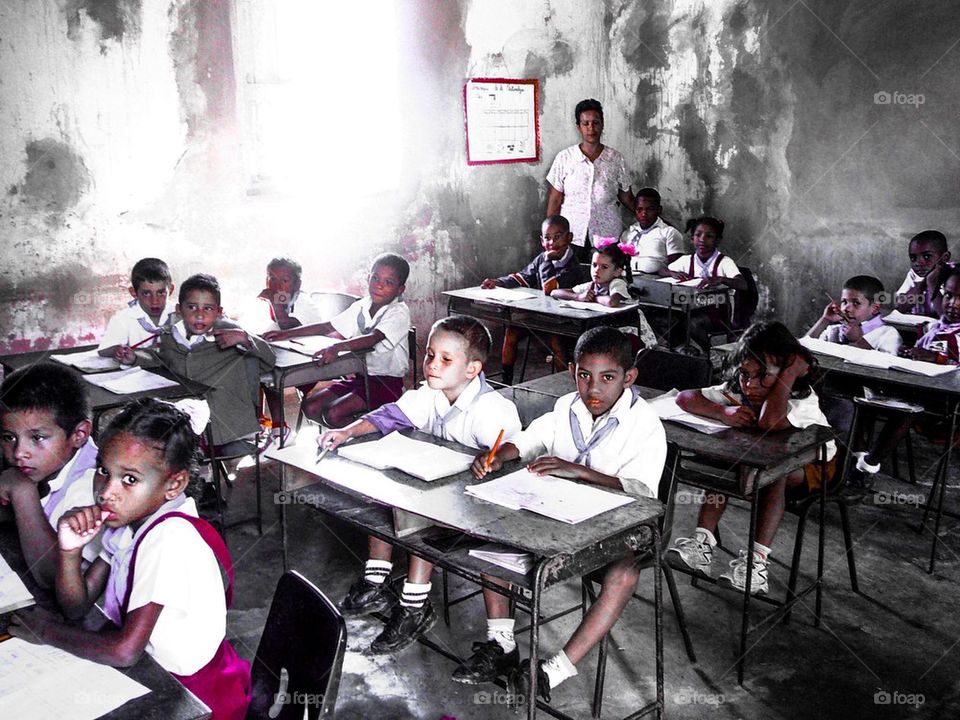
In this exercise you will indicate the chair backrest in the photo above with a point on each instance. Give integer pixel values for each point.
(665, 370)
(331, 304)
(667, 494)
(304, 639)
(412, 342)
(746, 301)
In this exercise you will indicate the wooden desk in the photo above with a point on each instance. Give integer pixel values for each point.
(167, 699)
(365, 498)
(739, 463)
(654, 293)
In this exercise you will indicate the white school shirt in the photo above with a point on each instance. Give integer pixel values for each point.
(478, 423)
(257, 316)
(590, 191)
(617, 286)
(653, 245)
(390, 356)
(131, 325)
(177, 569)
(727, 269)
(78, 494)
(884, 338)
(801, 412)
(909, 282)
(635, 452)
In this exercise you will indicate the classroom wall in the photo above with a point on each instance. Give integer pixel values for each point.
(119, 138)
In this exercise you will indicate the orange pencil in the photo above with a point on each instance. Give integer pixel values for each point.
(145, 340)
(493, 451)
(4, 636)
(730, 398)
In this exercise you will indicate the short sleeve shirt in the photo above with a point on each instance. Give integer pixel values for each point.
(390, 356)
(653, 245)
(132, 325)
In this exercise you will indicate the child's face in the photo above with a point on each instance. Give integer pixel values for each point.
(757, 380)
(590, 126)
(132, 481)
(555, 240)
(152, 296)
(704, 240)
(384, 285)
(855, 305)
(282, 282)
(603, 269)
(36, 446)
(647, 211)
(601, 381)
(924, 257)
(445, 364)
(951, 299)
(199, 311)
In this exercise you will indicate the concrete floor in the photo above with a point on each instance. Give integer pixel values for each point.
(896, 641)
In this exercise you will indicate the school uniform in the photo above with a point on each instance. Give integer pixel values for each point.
(474, 419)
(653, 245)
(72, 487)
(881, 336)
(717, 265)
(259, 317)
(545, 274)
(628, 441)
(942, 337)
(909, 282)
(618, 286)
(132, 325)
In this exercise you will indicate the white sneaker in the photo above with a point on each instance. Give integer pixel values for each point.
(865, 467)
(695, 552)
(736, 576)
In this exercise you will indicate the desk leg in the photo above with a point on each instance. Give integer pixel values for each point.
(823, 531)
(282, 420)
(943, 486)
(745, 620)
(284, 498)
(538, 583)
(658, 617)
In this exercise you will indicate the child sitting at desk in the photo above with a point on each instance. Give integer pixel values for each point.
(218, 353)
(139, 323)
(46, 442)
(380, 323)
(604, 434)
(556, 267)
(455, 403)
(929, 266)
(939, 344)
(160, 564)
(770, 389)
(657, 243)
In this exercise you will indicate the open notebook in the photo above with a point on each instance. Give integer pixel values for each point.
(414, 457)
(875, 358)
(13, 593)
(307, 345)
(131, 380)
(667, 409)
(87, 362)
(595, 307)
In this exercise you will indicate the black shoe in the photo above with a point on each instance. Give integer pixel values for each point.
(518, 683)
(366, 598)
(405, 625)
(487, 663)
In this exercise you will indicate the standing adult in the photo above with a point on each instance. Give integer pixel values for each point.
(586, 180)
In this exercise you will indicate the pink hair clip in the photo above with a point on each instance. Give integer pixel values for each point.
(601, 242)
(628, 249)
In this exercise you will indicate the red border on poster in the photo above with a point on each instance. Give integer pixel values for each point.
(536, 119)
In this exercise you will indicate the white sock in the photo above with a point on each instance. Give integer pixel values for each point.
(501, 630)
(559, 668)
(414, 595)
(376, 571)
(762, 550)
(865, 467)
(707, 536)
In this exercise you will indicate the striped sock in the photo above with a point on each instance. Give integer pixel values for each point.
(376, 571)
(414, 595)
(501, 630)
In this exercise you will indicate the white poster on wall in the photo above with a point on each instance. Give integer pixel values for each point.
(501, 119)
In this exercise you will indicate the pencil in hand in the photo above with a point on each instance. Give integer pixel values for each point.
(493, 451)
(730, 399)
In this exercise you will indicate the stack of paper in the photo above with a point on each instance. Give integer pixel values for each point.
(554, 497)
(505, 557)
(899, 318)
(594, 307)
(499, 294)
(13, 593)
(88, 362)
(694, 282)
(423, 460)
(875, 358)
(131, 380)
(305, 345)
(667, 409)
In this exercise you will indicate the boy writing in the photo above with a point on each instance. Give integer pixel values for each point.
(139, 323)
(929, 266)
(380, 321)
(603, 434)
(455, 403)
(46, 442)
(657, 243)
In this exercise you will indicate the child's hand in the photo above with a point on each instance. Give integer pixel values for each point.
(488, 284)
(590, 294)
(79, 526)
(327, 355)
(14, 483)
(228, 338)
(272, 335)
(677, 275)
(30, 624)
(711, 281)
(480, 467)
(831, 313)
(852, 330)
(125, 355)
(915, 353)
(550, 465)
(332, 439)
(738, 416)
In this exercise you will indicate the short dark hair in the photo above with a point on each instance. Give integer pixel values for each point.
(556, 220)
(47, 386)
(713, 222)
(867, 285)
(150, 270)
(931, 237)
(289, 263)
(619, 258)
(585, 106)
(392, 260)
(607, 341)
(473, 332)
(200, 281)
(649, 192)
(772, 338)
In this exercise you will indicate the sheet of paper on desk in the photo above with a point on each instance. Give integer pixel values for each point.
(875, 358)
(504, 556)
(667, 409)
(554, 497)
(13, 593)
(305, 345)
(43, 683)
(594, 307)
(695, 282)
(414, 457)
(499, 294)
(88, 362)
(899, 318)
(130, 380)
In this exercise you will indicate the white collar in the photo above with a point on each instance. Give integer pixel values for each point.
(464, 399)
(61, 477)
(619, 409)
(368, 303)
(180, 335)
(658, 223)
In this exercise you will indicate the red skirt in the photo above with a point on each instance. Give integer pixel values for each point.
(223, 684)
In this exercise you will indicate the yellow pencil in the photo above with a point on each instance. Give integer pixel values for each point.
(493, 451)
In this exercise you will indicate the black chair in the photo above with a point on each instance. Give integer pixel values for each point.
(331, 304)
(296, 671)
(666, 370)
(217, 457)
